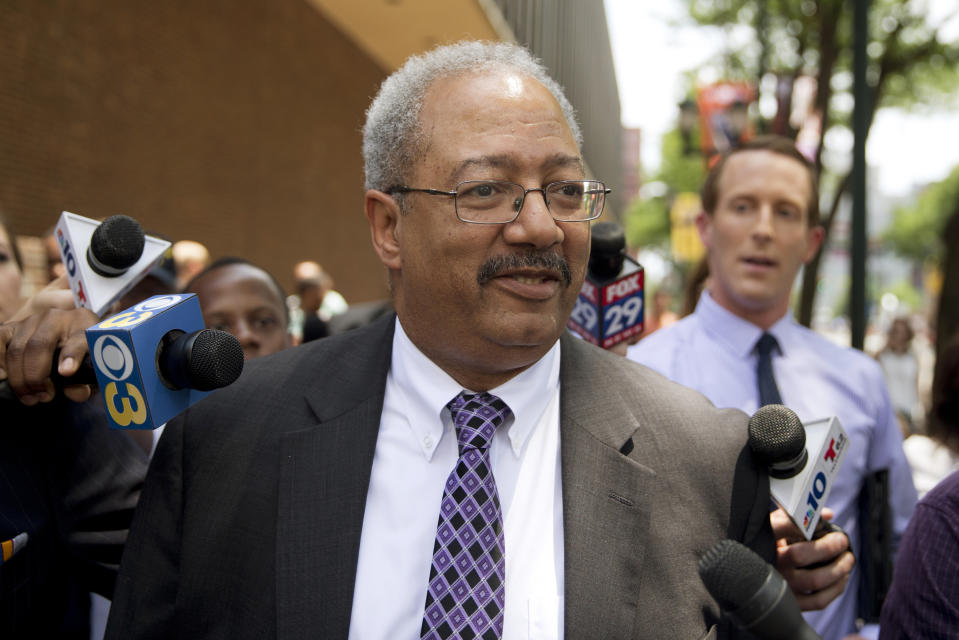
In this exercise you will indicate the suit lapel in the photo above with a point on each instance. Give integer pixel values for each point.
(324, 477)
(606, 501)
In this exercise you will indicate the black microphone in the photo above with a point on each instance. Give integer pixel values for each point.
(115, 246)
(104, 260)
(609, 308)
(752, 593)
(778, 440)
(607, 250)
(204, 360)
(800, 483)
(152, 360)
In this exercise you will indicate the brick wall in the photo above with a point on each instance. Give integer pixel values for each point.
(235, 123)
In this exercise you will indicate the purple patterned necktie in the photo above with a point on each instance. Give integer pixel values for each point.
(467, 590)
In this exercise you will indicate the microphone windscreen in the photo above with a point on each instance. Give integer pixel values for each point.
(776, 435)
(607, 243)
(216, 360)
(732, 573)
(116, 245)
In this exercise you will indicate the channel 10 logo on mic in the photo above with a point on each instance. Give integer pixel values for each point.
(124, 352)
(827, 467)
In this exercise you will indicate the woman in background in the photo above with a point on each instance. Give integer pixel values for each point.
(900, 368)
(11, 269)
(935, 456)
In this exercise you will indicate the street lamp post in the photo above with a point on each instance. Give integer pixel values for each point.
(688, 117)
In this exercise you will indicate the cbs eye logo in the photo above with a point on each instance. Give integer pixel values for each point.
(115, 361)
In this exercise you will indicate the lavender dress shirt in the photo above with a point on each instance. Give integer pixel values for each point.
(713, 351)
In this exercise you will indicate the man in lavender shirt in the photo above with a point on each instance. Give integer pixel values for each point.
(760, 225)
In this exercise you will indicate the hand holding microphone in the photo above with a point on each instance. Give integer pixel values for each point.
(816, 570)
(103, 260)
(800, 476)
(151, 361)
(154, 360)
(813, 555)
(48, 323)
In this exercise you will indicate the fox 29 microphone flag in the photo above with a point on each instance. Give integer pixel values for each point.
(609, 308)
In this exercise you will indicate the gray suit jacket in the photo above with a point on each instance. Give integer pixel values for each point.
(250, 520)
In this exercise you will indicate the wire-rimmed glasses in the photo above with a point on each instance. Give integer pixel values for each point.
(500, 202)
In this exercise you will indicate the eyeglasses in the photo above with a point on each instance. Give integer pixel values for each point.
(498, 202)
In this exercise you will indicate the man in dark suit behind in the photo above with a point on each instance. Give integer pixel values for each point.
(68, 486)
(304, 501)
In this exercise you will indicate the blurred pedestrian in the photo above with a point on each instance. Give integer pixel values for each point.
(323, 299)
(660, 313)
(900, 367)
(311, 294)
(936, 455)
(189, 258)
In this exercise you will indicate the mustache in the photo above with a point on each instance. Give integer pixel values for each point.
(497, 265)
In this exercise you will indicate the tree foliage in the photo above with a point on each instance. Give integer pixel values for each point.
(917, 231)
(910, 65)
(647, 218)
(647, 223)
(679, 168)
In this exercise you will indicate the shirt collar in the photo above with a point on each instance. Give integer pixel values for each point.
(737, 335)
(426, 389)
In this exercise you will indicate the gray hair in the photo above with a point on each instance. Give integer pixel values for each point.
(392, 135)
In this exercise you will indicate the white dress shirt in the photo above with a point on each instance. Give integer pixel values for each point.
(416, 450)
(713, 351)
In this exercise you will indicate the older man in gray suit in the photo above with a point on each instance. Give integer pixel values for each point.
(464, 468)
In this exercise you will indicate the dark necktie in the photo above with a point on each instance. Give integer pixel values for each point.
(467, 591)
(768, 391)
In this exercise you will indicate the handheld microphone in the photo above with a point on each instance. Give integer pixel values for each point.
(105, 260)
(203, 360)
(800, 483)
(154, 360)
(609, 308)
(752, 593)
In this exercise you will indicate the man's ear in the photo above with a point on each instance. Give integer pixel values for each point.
(704, 224)
(814, 238)
(383, 214)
